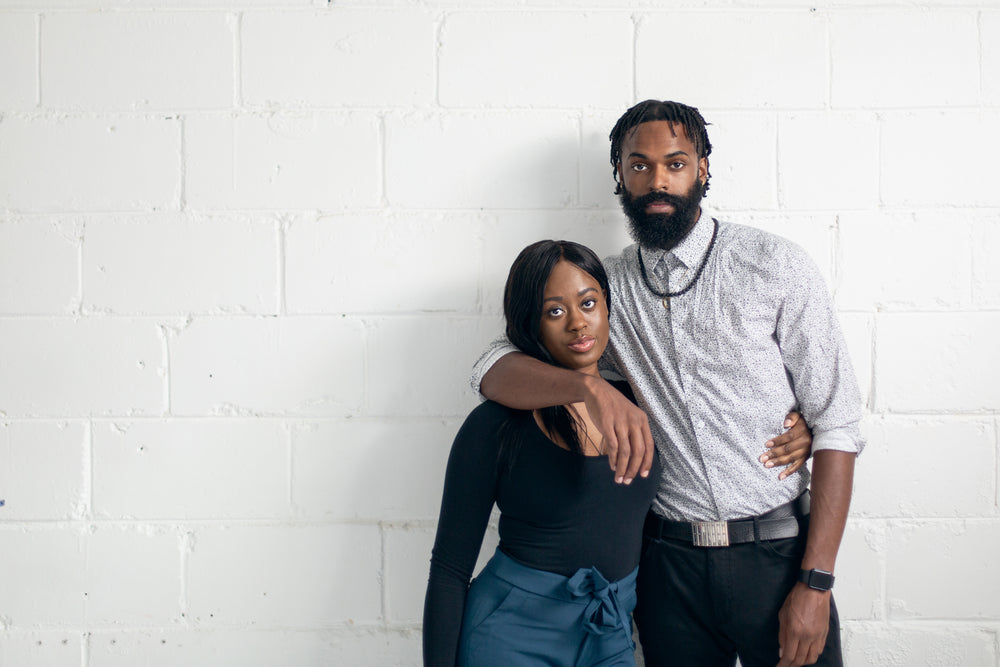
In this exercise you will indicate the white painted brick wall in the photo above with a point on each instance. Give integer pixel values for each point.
(249, 250)
(83, 67)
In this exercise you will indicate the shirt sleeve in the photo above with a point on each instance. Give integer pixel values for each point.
(499, 347)
(466, 504)
(815, 353)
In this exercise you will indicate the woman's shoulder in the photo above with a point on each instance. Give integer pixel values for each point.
(487, 417)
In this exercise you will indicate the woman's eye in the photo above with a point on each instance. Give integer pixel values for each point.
(589, 303)
(554, 312)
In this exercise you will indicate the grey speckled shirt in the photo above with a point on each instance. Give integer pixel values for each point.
(717, 371)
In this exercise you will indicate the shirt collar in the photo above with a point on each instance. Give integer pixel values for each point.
(689, 252)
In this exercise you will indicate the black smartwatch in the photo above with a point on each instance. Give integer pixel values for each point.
(821, 580)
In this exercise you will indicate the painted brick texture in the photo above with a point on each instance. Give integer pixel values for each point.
(250, 249)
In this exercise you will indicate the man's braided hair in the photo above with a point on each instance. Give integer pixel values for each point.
(674, 112)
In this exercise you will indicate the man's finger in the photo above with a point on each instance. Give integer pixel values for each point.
(649, 451)
(638, 454)
(611, 449)
(624, 453)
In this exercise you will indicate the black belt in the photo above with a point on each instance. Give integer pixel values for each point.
(779, 523)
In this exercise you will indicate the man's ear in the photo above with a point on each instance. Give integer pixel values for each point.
(703, 170)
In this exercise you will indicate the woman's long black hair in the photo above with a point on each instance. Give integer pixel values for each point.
(523, 304)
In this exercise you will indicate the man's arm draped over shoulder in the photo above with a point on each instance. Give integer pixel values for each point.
(518, 381)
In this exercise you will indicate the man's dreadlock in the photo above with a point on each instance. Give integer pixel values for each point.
(650, 110)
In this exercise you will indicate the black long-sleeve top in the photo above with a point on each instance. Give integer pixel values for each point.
(559, 511)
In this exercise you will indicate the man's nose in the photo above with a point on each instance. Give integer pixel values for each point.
(661, 179)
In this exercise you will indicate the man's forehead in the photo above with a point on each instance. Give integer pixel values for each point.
(655, 130)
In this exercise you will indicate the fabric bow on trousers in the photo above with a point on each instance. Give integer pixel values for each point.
(516, 615)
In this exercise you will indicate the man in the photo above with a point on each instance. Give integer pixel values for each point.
(721, 330)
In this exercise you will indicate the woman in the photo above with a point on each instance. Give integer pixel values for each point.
(560, 588)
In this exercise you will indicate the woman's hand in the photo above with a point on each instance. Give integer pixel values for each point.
(791, 448)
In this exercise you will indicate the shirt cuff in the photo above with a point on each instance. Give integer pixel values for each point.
(838, 441)
(500, 347)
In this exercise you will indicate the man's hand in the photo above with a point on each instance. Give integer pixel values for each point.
(628, 442)
(803, 623)
(791, 448)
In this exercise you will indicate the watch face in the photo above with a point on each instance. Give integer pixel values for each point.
(820, 580)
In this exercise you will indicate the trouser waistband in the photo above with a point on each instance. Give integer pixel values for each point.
(587, 586)
(781, 522)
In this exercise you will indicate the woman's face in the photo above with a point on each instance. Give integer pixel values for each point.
(574, 326)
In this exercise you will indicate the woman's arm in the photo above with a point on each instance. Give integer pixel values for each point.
(468, 497)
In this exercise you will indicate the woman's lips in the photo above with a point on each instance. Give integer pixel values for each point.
(583, 344)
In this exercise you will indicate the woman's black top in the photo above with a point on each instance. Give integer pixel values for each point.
(559, 511)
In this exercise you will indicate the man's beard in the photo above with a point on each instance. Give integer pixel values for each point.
(662, 230)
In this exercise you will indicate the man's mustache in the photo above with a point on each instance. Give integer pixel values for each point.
(658, 197)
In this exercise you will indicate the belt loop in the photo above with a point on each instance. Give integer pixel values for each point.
(756, 531)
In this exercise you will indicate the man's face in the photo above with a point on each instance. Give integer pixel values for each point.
(663, 182)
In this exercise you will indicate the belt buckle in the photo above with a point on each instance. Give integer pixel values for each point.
(710, 533)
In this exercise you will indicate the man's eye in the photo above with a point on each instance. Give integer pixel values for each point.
(638, 167)
(677, 165)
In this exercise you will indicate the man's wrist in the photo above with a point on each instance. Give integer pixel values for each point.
(817, 579)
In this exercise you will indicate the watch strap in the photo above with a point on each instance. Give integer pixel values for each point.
(820, 580)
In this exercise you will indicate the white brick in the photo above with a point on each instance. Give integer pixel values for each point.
(18, 53)
(190, 469)
(43, 470)
(72, 163)
(514, 159)
(66, 367)
(174, 264)
(859, 334)
(985, 267)
(133, 577)
(41, 649)
(285, 576)
(369, 469)
(744, 160)
(282, 161)
(304, 366)
(332, 263)
(951, 644)
(828, 161)
(255, 648)
(989, 31)
(969, 138)
(943, 570)
(508, 232)
(421, 366)
(768, 59)
(936, 362)
(885, 488)
(905, 58)
(597, 185)
(511, 59)
(43, 578)
(408, 557)
(131, 60)
(39, 266)
(338, 57)
(924, 268)
(859, 572)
